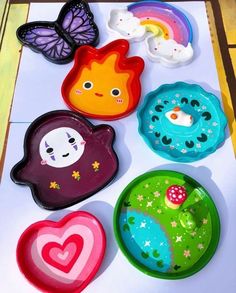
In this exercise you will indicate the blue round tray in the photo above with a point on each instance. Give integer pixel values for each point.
(181, 143)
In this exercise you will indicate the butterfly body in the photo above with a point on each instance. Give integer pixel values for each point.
(58, 40)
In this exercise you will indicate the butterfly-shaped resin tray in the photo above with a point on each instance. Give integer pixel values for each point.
(62, 256)
(166, 30)
(169, 242)
(66, 159)
(104, 83)
(58, 40)
(182, 122)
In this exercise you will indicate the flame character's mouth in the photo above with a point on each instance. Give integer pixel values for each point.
(99, 95)
(65, 155)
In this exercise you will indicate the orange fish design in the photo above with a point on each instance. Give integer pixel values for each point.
(104, 83)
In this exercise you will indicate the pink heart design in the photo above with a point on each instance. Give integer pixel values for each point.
(62, 256)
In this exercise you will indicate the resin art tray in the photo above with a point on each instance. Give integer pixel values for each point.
(66, 159)
(58, 40)
(62, 256)
(182, 122)
(104, 83)
(167, 31)
(166, 241)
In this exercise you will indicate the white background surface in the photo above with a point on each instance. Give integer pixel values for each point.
(38, 91)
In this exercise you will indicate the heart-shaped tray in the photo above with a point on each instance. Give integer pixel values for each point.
(62, 256)
(182, 122)
(162, 240)
(66, 159)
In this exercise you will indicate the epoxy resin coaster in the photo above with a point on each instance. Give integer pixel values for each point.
(58, 40)
(182, 122)
(62, 256)
(167, 30)
(66, 159)
(104, 83)
(166, 224)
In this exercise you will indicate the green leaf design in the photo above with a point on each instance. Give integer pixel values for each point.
(160, 263)
(145, 254)
(155, 253)
(127, 204)
(126, 227)
(131, 220)
(176, 267)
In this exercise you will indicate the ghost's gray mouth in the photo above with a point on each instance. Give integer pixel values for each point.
(66, 155)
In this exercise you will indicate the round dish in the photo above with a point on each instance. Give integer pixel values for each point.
(160, 241)
(186, 139)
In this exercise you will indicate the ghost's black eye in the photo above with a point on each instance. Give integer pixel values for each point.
(71, 140)
(87, 85)
(49, 150)
(115, 92)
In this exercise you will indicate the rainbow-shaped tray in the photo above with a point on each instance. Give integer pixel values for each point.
(167, 30)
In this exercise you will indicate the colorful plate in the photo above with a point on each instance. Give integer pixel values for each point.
(154, 237)
(185, 142)
(104, 83)
(167, 30)
(58, 40)
(62, 256)
(66, 159)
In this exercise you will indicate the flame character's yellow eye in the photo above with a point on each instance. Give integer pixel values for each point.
(115, 92)
(88, 85)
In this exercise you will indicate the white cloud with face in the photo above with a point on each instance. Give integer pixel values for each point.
(61, 147)
(168, 52)
(126, 25)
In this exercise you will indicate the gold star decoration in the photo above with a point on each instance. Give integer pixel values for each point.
(76, 175)
(96, 165)
(54, 185)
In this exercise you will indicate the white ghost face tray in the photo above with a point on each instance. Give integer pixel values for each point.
(66, 159)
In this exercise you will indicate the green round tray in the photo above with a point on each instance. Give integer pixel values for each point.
(150, 234)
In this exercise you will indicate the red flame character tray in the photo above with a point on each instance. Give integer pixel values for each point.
(66, 159)
(104, 83)
(62, 256)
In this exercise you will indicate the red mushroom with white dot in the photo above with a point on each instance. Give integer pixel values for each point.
(175, 196)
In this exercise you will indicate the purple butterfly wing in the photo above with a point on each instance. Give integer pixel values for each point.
(43, 37)
(58, 40)
(77, 21)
